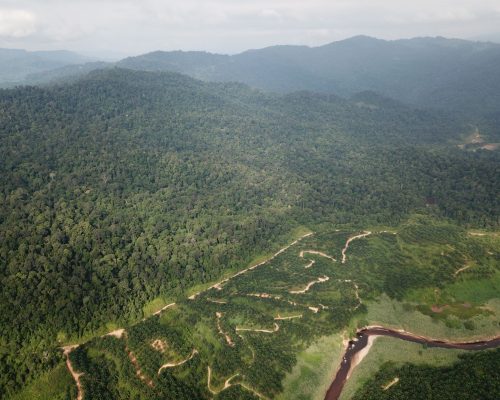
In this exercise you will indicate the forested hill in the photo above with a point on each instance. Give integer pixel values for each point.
(448, 74)
(127, 185)
(430, 72)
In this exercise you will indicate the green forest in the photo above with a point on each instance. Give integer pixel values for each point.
(474, 377)
(126, 186)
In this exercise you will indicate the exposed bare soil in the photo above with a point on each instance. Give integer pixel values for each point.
(344, 250)
(76, 375)
(176, 364)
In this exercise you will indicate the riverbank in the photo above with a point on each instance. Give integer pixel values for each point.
(361, 341)
(387, 349)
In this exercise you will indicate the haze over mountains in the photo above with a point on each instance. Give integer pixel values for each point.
(444, 73)
(419, 71)
(17, 64)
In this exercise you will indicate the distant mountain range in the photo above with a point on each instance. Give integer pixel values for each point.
(426, 72)
(16, 65)
(446, 73)
(491, 37)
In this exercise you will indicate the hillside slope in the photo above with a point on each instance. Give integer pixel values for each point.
(125, 186)
(449, 74)
(436, 72)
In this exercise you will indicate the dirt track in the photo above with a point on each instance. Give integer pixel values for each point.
(276, 329)
(171, 365)
(279, 318)
(318, 253)
(228, 338)
(76, 376)
(164, 308)
(118, 333)
(310, 284)
(391, 383)
(344, 250)
(228, 384)
(218, 285)
(462, 269)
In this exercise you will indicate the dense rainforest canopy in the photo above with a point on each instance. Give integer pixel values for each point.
(127, 185)
(428, 72)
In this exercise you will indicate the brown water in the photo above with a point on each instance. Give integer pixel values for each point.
(361, 341)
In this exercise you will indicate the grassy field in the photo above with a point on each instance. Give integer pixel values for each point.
(155, 305)
(316, 366)
(472, 291)
(53, 385)
(398, 315)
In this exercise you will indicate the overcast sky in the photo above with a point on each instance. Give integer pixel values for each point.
(125, 27)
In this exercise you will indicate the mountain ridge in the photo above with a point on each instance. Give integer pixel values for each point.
(17, 64)
(427, 72)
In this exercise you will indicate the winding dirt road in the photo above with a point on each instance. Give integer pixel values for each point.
(163, 309)
(318, 253)
(321, 279)
(356, 291)
(133, 359)
(218, 285)
(228, 384)
(462, 269)
(276, 329)
(217, 301)
(344, 250)
(228, 338)
(76, 375)
(280, 318)
(171, 365)
(390, 384)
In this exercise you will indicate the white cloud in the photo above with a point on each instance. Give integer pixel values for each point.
(270, 13)
(133, 26)
(17, 23)
(450, 15)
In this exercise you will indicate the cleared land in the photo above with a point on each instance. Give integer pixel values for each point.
(265, 331)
